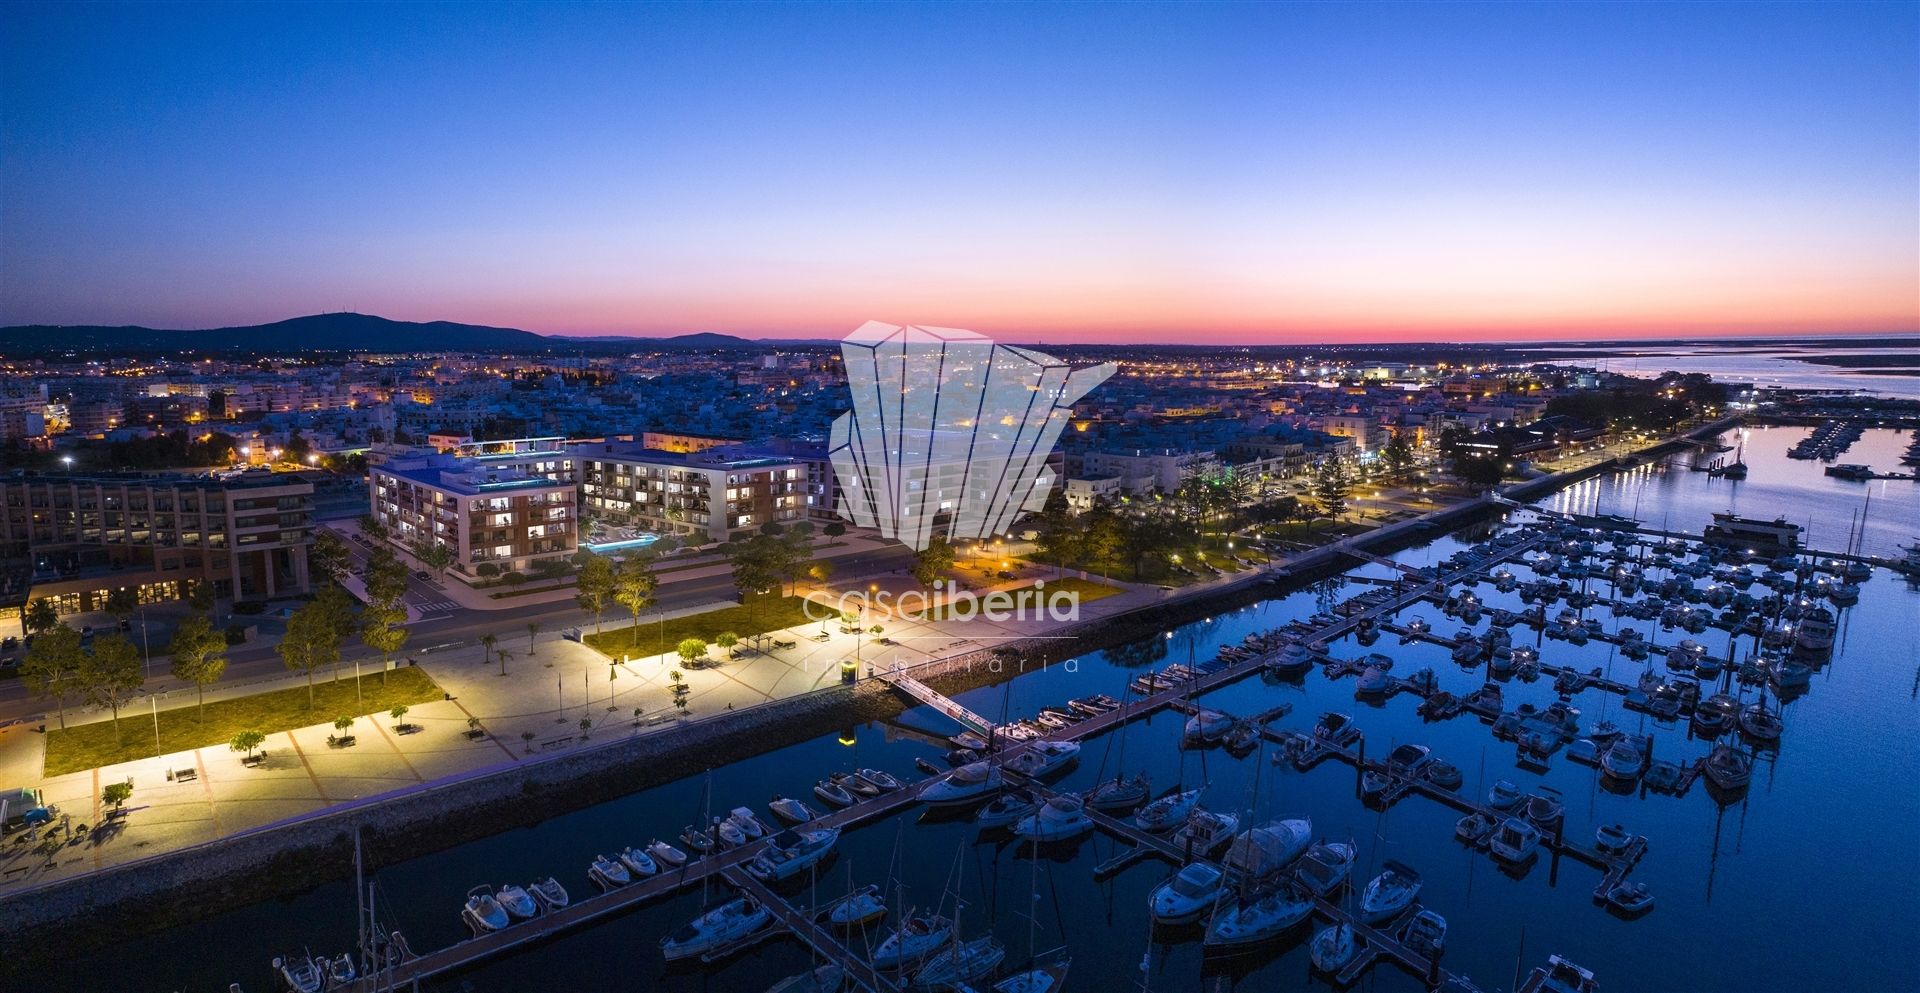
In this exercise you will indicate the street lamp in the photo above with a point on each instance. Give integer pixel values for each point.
(67, 460)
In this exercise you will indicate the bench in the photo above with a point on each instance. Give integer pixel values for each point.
(341, 741)
(186, 775)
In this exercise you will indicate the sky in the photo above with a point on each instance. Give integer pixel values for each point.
(1072, 172)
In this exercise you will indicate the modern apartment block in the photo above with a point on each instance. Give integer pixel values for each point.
(82, 536)
(487, 510)
(714, 494)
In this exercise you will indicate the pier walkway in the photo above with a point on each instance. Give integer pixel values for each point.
(898, 679)
(809, 931)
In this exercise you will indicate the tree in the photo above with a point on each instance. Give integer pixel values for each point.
(343, 724)
(821, 571)
(505, 657)
(111, 674)
(634, 586)
(431, 555)
(247, 741)
(386, 578)
(834, 529)
(594, 588)
(121, 603)
(533, 631)
(727, 640)
(398, 713)
(1057, 535)
(1103, 534)
(760, 564)
(372, 528)
(40, 616)
(116, 795)
(327, 556)
(383, 629)
(200, 596)
(52, 666)
(487, 641)
(932, 562)
(199, 655)
(691, 650)
(1398, 454)
(1330, 486)
(312, 641)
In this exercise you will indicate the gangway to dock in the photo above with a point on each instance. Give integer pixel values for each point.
(897, 678)
(858, 970)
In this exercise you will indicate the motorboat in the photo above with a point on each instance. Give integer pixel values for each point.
(1249, 922)
(828, 978)
(1186, 894)
(483, 913)
(697, 839)
(1205, 831)
(1093, 706)
(1760, 722)
(302, 975)
(728, 832)
(1264, 850)
(1623, 761)
(1426, 933)
(1167, 812)
(1503, 795)
(1206, 726)
(1336, 729)
(1047, 978)
(1059, 819)
(665, 855)
(1390, 893)
(516, 902)
(1475, 827)
(1003, 810)
(1791, 675)
(857, 909)
(1544, 809)
(1727, 767)
(717, 928)
(1374, 681)
(1445, 775)
(608, 873)
(341, 971)
(1514, 841)
(881, 781)
(1043, 758)
(1292, 658)
(833, 793)
(790, 853)
(1630, 898)
(549, 893)
(909, 944)
(1332, 948)
(971, 783)
(961, 962)
(790, 811)
(853, 784)
(1612, 837)
(639, 863)
(749, 825)
(1120, 793)
(1326, 866)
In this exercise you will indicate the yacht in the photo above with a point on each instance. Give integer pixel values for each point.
(1240, 924)
(1326, 866)
(1185, 895)
(1623, 761)
(911, 942)
(1503, 795)
(483, 913)
(1120, 793)
(1426, 933)
(1728, 767)
(1514, 841)
(717, 928)
(1373, 682)
(1047, 978)
(1270, 847)
(1390, 893)
(858, 909)
(1043, 758)
(1814, 634)
(961, 962)
(516, 902)
(792, 852)
(883, 782)
(1167, 812)
(1205, 831)
(639, 863)
(1059, 819)
(1292, 658)
(748, 824)
(1206, 726)
(790, 811)
(551, 895)
(608, 873)
(665, 855)
(968, 784)
(1332, 948)
(1003, 810)
(833, 793)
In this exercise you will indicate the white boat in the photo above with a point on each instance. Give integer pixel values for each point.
(341, 971)
(833, 793)
(970, 783)
(665, 855)
(717, 928)
(1047, 978)
(1332, 948)
(882, 781)
(483, 913)
(1270, 847)
(1292, 657)
(728, 832)
(1514, 841)
(827, 978)
(1623, 761)
(1005, 809)
(1167, 812)
(960, 963)
(911, 942)
(1727, 767)
(1237, 925)
(1390, 893)
(1612, 837)
(1426, 933)
(791, 811)
(1059, 819)
(638, 862)
(609, 873)
(1326, 866)
(1759, 722)
(549, 893)
(1186, 894)
(1119, 793)
(1373, 682)
(1043, 758)
(1206, 726)
(1503, 795)
(748, 824)
(1475, 827)
(791, 853)
(1205, 831)
(516, 902)
(1629, 897)
(857, 909)
(302, 975)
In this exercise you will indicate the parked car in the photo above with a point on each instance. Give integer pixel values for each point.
(422, 575)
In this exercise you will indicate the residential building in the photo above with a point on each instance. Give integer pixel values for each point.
(489, 511)
(712, 495)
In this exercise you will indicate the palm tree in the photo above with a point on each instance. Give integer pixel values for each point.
(487, 641)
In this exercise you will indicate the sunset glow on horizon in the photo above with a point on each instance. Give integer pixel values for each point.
(1071, 173)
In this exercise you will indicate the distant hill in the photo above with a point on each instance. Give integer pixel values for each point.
(329, 332)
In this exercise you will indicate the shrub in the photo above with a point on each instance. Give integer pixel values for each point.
(236, 634)
(487, 569)
(250, 607)
(514, 578)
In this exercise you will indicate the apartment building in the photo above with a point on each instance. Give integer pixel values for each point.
(489, 511)
(83, 536)
(714, 494)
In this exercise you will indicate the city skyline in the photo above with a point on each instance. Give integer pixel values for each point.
(1229, 174)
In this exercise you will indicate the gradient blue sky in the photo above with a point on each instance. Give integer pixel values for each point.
(1049, 172)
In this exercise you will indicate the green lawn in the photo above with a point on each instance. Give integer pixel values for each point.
(770, 613)
(90, 746)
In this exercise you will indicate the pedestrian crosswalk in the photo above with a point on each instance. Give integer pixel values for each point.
(435, 606)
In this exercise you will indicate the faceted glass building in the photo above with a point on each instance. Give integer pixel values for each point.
(950, 432)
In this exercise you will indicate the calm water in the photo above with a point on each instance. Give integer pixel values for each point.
(1785, 367)
(1809, 882)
